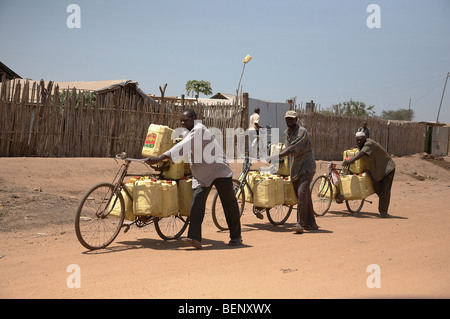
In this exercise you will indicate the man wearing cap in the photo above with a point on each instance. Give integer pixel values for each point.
(302, 165)
(381, 167)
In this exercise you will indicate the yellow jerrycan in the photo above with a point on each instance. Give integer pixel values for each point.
(129, 215)
(359, 165)
(185, 192)
(279, 189)
(350, 187)
(366, 183)
(325, 190)
(264, 192)
(175, 171)
(284, 168)
(169, 198)
(249, 189)
(290, 198)
(147, 198)
(157, 141)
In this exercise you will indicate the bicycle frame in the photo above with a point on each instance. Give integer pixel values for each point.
(94, 229)
(119, 185)
(243, 176)
(118, 181)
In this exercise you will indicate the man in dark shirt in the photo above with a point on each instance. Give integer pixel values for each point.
(381, 167)
(365, 129)
(302, 165)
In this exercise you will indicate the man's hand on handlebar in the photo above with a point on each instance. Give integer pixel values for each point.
(152, 160)
(346, 163)
(157, 159)
(272, 159)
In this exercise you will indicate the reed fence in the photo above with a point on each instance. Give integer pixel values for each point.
(41, 119)
(331, 135)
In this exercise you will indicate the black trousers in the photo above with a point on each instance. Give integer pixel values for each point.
(305, 210)
(383, 191)
(229, 203)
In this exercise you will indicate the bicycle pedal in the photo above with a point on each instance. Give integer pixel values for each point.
(259, 215)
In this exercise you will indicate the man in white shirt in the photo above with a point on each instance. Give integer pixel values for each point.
(209, 167)
(253, 133)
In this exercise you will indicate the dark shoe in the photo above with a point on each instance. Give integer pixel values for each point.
(298, 229)
(315, 227)
(235, 242)
(192, 243)
(259, 215)
(257, 212)
(340, 199)
(384, 215)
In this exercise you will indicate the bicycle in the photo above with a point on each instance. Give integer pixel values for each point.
(322, 192)
(96, 226)
(276, 215)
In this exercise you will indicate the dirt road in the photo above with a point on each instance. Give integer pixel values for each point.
(39, 252)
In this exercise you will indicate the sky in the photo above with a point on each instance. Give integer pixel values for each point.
(394, 56)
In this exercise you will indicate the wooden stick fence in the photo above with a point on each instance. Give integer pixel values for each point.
(331, 135)
(39, 119)
(42, 120)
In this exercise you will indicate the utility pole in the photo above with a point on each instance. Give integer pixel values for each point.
(442, 97)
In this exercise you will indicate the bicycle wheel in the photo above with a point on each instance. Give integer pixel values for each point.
(321, 195)
(217, 212)
(354, 206)
(99, 217)
(171, 227)
(279, 214)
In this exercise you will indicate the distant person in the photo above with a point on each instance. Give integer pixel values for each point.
(302, 165)
(381, 167)
(207, 170)
(253, 133)
(365, 130)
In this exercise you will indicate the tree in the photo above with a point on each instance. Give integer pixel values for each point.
(348, 108)
(198, 87)
(400, 115)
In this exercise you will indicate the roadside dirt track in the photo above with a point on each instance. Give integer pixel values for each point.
(39, 196)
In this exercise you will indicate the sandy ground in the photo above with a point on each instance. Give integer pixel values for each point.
(39, 197)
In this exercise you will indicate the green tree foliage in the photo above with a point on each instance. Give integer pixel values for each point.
(400, 115)
(198, 87)
(349, 108)
(80, 95)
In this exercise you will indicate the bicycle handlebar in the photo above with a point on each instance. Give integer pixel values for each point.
(326, 162)
(331, 163)
(123, 156)
(246, 157)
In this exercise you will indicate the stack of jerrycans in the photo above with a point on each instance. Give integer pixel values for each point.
(264, 191)
(268, 191)
(162, 198)
(358, 184)
(179, 169)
